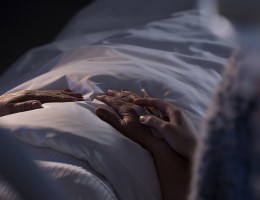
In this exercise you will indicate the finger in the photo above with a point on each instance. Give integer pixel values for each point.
(60, 92)
(45, 96)
(152, 121)
(115, 93)
(112, 92)
(163, 106)
(25, 106)
(67, 90)
(130, 94)
(113, 102)
(109, 117)
(121, 107)
(123, 94)
(57, 91)
(56, 98)
(77, 95)
(158, 126)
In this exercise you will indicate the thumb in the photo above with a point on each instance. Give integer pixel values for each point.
(151, 121)
(157, 125)
(27, 105)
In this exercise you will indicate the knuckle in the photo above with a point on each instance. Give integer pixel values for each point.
(27, 94)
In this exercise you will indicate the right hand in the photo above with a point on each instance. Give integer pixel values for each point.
(173, 169)
(178, 131)
(125, 119)
(33, 99)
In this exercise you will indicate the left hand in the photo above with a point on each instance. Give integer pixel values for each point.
(127, 120)
(178, 131)
(33, 99)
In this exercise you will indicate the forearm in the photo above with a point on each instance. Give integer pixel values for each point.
(174, 173)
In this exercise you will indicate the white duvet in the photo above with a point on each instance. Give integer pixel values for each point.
(176, 59)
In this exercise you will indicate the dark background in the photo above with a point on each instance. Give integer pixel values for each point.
(29, 23)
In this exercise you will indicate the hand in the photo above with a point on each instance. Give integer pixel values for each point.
(172, 168)
(125, 119)
(178, 132)
(33, 99)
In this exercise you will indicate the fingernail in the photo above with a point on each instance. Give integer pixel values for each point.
(142, 119)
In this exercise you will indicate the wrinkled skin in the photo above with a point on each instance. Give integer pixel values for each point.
(172, 160)
(177, 131)
(33, 99)
(127, 122)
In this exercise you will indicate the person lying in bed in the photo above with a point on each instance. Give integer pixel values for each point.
(33, 99)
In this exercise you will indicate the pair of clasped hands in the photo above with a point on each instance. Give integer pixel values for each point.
(177, 131)
(171, 140)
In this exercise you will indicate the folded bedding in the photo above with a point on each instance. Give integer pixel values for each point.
(176, 59)
(74, 178)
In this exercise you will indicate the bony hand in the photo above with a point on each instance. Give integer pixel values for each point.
(125, 119)
(33, 99)
(178, 131)
(172, 168)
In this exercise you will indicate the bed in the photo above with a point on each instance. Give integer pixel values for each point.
(165, 48)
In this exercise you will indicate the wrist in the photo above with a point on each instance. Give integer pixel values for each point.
(160, 147)
(174, 171)
(162, 151)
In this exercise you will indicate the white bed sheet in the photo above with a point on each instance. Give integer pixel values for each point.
(73, 177)
(176, 59)
(100, 20)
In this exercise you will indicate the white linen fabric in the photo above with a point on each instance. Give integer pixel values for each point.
(100, 20)
(176, 59)
(73, 177)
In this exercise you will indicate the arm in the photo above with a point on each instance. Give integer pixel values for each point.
(33, 99)
(174, 172)
(173, 169)
(179, 139)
